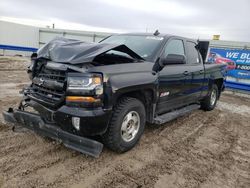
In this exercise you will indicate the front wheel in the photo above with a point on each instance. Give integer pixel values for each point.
(210, 101)
(126, 125)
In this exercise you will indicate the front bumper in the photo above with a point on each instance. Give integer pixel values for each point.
(93, 122)
(34, 122)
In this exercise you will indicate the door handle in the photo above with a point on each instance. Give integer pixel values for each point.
(186, 73)
(201, 71)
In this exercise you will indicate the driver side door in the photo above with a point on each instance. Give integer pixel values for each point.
(172, 79)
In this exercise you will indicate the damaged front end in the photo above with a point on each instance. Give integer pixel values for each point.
(65, 100)
(34, 122)
(45, 112)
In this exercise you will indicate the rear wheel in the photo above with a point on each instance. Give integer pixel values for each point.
(126, 125)
(210, 101)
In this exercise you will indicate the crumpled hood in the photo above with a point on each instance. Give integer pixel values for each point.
(72, 51)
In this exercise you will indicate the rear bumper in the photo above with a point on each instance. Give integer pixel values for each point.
(34, 122)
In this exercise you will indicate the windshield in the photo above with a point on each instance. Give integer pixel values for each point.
(144, 46)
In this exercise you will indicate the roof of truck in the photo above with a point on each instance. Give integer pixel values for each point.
(164, 35)
(148, 34)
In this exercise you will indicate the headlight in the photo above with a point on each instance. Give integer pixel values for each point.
(84, 90)
(85, 83)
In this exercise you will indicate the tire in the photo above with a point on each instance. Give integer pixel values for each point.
(209, 102)
(128, 116)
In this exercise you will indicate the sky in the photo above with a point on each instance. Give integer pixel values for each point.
(190, 18)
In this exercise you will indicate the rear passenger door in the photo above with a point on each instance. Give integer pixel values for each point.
(195, 68)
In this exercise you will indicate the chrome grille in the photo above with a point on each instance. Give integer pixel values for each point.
(48, 87)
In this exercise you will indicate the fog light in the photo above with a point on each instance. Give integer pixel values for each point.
(76, 122)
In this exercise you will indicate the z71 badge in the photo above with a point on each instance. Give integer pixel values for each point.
(163, 94)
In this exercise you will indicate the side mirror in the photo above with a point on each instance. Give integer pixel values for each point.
(173, 59)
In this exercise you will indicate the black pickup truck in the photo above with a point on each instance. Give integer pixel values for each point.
(83, 92)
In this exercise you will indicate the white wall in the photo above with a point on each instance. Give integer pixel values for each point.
(45, 35)
(18, 35)
(230, 44)
(28, 36)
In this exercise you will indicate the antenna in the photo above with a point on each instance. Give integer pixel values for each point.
(197, 46)
(156, 33)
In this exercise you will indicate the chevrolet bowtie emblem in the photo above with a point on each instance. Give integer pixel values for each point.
(41, 82)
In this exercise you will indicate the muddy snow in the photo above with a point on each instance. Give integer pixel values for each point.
(202, 149)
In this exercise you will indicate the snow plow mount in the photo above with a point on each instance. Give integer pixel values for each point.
(34, 122)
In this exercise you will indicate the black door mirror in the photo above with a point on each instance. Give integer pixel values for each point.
(173, 59)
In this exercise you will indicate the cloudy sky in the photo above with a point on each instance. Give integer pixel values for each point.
(191, 18)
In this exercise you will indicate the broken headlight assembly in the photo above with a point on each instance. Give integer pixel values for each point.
(84, 90)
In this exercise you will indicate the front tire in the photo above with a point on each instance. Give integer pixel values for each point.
(210, 101)
(126, 125)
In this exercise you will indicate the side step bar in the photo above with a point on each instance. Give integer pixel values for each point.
(174, 114)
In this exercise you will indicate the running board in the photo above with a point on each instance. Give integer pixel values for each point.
(174, 114)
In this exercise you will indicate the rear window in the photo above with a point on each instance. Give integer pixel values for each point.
(193, 55)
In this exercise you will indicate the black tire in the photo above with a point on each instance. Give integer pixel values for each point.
(113, 138)
(208, 102)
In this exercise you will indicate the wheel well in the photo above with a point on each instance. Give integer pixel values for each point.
(145, 96)
(219, 83)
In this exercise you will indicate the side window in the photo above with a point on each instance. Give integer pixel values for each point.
(174, 47)
(193, 54)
